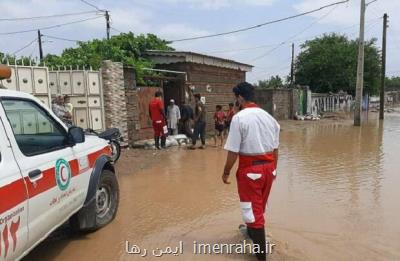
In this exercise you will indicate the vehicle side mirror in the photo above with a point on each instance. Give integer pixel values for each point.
(76, 135)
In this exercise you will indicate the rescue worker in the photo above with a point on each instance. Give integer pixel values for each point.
(254, 138)
(157, 116)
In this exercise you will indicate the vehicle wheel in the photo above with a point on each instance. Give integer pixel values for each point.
(107, 198)
(103, 208)
(115, 150)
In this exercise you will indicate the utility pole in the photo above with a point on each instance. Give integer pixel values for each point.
(383, 74)
(360, 68)
(292, 68)
(40, 46)
(108, 25)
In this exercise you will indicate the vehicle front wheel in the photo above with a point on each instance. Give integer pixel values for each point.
(107, 198)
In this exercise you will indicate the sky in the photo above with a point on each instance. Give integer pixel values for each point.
(268, 48)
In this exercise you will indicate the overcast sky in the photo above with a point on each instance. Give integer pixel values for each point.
(267, 48)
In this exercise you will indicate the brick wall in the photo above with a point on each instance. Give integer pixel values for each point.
(114, 97)
(220, 82)
(137, 102)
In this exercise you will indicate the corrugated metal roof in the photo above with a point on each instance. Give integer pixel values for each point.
(168, 57)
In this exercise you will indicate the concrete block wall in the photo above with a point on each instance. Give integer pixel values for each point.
(114, 97)
(282, 104)
(264, 99)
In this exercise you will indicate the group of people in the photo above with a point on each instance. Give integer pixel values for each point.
(222, 122)
(186, 120)
(63, 109)
(253, 139)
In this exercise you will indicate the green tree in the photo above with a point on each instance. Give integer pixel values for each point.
(23, 60)
(272, 83)
(392, 83)
(329, 64)
(125, 47)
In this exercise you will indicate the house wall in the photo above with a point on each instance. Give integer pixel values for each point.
(213, 83)
(282, 104)
(137, 102)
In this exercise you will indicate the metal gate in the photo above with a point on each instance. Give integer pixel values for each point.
(86, 94)
(30, 79)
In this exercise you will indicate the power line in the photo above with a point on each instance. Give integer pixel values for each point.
(33, 49)
(244, 49)
(275, 44)
(45, 16)
(294, 36)
(115, 29)
(373, 1)
(52, 26)
(90, 4)
(24, 47)
(260, 25)
(61, 38)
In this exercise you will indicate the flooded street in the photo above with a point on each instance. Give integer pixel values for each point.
(336, 197)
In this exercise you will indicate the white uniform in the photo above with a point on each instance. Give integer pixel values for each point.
(253, 131)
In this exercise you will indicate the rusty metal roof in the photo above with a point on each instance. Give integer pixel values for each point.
(169, 57)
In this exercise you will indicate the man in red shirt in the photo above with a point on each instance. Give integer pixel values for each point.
(157, 115)
(219, 119)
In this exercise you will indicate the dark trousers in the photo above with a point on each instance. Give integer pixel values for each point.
(187, 126)
(199, 130)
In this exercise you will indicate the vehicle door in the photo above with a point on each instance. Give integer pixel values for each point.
(13, 202)
(47, 163)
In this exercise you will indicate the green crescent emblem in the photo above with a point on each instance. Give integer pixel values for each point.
(63, 174)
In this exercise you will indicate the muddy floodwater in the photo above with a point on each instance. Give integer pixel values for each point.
(336, 197)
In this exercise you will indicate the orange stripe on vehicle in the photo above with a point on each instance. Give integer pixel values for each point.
(15, 193)
(12, 194)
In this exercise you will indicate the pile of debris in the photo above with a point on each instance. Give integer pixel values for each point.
(175, 140)
(308, 117)
(376, 109)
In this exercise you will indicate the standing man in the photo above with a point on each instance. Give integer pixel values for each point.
(199, 123)
(173, 115)
(59, 109)
(187, 119)
(254, 138)
(157, 116)
(219, 119)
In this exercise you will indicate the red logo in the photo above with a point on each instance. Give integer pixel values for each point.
(9, 233)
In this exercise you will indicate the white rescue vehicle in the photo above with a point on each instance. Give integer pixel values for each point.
(49, 174)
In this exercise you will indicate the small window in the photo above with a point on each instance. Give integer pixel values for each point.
(35, 131)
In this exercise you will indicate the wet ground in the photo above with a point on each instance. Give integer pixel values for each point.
(336, 198)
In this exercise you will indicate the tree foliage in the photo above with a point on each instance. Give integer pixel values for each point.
(272, 83)
(23, 60)
(392, 83)
(125, 47)
(329, 64)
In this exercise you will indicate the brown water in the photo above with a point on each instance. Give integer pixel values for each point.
(336, 198)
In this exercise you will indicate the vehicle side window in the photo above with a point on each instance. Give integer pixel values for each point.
(35, 131)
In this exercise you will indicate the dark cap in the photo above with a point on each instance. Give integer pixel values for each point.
(197, 95)
(244, 89)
